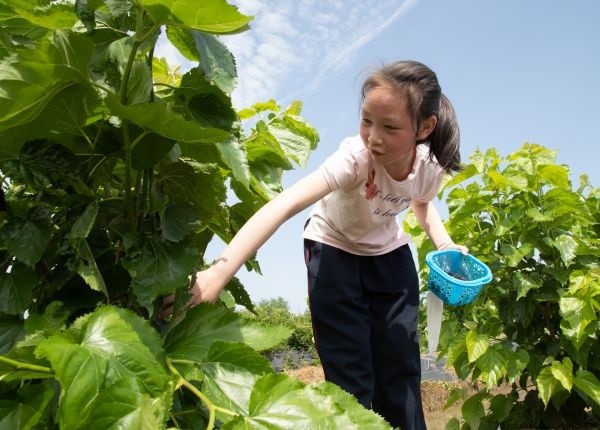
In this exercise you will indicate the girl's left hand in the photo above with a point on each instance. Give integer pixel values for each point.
(463, 249)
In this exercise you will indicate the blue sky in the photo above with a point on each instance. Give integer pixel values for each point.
(516, 71)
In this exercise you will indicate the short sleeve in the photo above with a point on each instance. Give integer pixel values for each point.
(347, 166)
(429, 179)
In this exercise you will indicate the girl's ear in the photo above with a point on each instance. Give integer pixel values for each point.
(426, 127)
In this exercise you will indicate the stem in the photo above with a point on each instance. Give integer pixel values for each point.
(128, 195)
(212, 409)
(25, 365)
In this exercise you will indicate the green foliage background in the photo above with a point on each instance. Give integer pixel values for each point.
(116, 171)
(535, 327)
(299, 348)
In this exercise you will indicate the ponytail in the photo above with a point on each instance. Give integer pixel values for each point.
(444, 140)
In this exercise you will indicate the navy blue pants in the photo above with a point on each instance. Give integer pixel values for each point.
(364, 312)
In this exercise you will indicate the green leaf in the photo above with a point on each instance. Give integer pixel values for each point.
(239, 354)
(234, 155)
(177, 222)
(472, 409)
(455, 395)
(517, 363)
(191, 338)
(563, 372)
(477, 345)
(127, 404)
(53, 66)
(22, 364)
(269, 389)
(27, 238)
(183, 41)
(453, 424)
(501, 406)
(296, 137)
(45, 165)
(28, 409)
(140, 83)
(587, 382)
(492, 365)
(80, 373)
(546, 384)
(162, 120)
(201, 185)
(567, 247)
(228, 385)
(211, 16)
(16, 289)
(52, 320)
(577, 314)
(51, 16)
(526, 282)
(11, 330)
(216, 61)
(149, 150)
(87, 267)
(158, 268)
(103, 348)
(209, 105)
(83, 224)
(240, 294)
(277, 401)
(555, 175)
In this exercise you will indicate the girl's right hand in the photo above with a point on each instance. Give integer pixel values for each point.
(206, 288)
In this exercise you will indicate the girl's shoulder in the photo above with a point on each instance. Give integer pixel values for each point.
(426, 160)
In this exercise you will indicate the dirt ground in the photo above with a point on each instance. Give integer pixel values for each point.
(434, 393)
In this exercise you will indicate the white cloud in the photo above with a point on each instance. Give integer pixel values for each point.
(297, 43)
(293, 44)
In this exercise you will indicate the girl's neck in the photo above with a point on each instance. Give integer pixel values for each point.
(400, 170)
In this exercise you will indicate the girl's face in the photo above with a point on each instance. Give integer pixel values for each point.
(388, 131)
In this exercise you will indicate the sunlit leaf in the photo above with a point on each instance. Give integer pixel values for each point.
(567, 247)
(563, 372)
(160, 119)
(546, 384)
(477, 345)
(211, 16)
(216, 61)
(191, 338)
(109, 345)
(127, 404)
(492, 365)
(53, 66)
(587, 382)
(52, 16)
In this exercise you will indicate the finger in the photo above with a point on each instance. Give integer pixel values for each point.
(168, 300)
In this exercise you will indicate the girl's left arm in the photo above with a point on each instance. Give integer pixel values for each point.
(430, 220)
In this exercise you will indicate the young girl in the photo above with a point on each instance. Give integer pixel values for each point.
(363, 284)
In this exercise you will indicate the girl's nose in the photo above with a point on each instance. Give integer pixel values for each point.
(374, 140)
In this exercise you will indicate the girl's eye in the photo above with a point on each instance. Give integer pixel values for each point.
(365, 121)
(391, 127)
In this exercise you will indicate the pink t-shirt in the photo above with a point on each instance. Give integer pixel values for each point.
(363, 220)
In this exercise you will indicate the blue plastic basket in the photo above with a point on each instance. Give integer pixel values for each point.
(455, 278)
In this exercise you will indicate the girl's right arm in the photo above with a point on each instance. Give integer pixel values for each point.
(254, 234)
